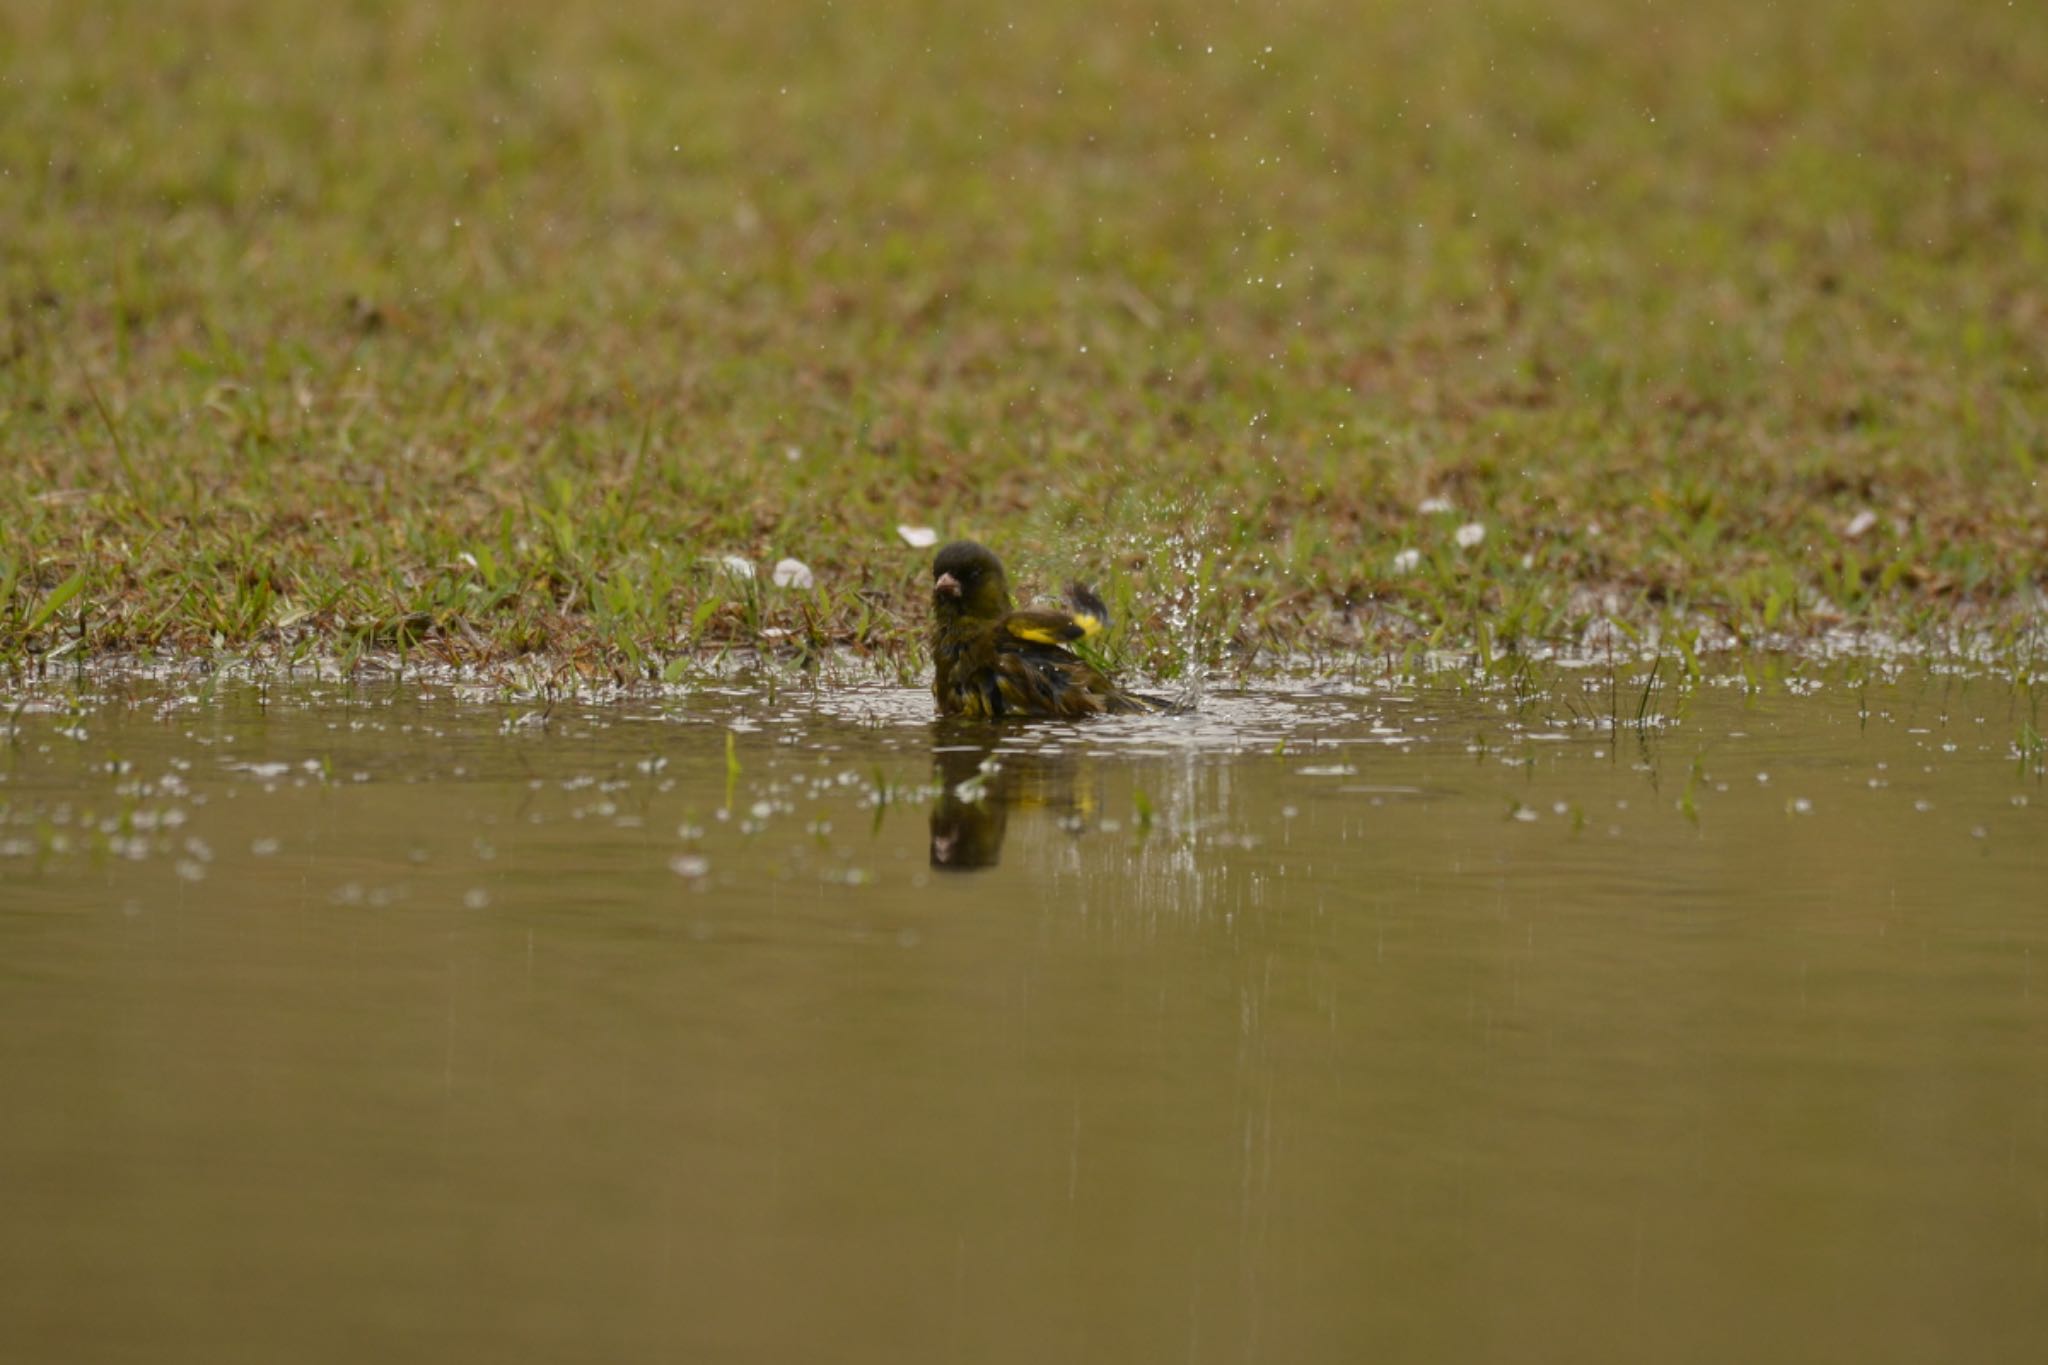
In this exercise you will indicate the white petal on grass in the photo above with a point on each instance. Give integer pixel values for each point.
(1470, 534)
(1433, 506)
(1407, 561)
(1860, 523)
(918, 537)
(793, 573)
(733, 565)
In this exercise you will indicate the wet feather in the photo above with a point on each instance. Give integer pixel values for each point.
(992, 661)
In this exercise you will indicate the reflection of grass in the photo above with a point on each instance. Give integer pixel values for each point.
(732, 766)
(483, 329)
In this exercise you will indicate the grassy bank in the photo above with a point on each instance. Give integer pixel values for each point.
(488, 328)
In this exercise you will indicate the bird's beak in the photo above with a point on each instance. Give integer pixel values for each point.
(946, 586)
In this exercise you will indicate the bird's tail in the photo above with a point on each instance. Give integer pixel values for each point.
(1092, 613)
(1147, 704)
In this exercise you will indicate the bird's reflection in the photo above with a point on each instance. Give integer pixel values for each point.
(981, 781)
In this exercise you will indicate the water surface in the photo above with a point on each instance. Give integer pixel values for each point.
(1340, 1022)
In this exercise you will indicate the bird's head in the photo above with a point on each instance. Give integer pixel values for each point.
(967, 580)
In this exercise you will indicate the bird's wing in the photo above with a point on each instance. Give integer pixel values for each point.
(1051, 627)
(1045, 680)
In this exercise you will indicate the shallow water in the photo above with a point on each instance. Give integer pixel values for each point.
(1349, 1022)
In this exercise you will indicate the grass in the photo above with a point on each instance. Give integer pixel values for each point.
(485, 329)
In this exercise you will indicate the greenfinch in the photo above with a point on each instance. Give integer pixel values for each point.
(992, 662)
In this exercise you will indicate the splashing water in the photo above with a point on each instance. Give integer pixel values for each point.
(1186, 617)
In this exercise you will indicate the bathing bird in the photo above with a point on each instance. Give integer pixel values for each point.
(992, 661)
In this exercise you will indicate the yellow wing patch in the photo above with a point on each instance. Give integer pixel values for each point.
(1052, 627)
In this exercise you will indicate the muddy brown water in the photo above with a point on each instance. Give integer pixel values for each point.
(397, 1022)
